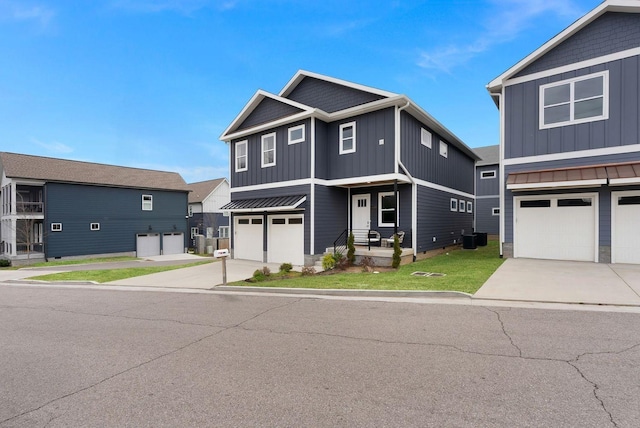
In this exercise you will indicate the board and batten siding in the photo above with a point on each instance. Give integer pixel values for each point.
(119, 212)
(435, 219)
(268, 110)
(329, 96)
(485, 220)
(522, 133)
(370, 157)
(292, 160)
(455, 171)
(488, 186)
(331, 215)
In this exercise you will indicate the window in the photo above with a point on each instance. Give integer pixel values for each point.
(541, 203)
(629, 200)
(297, 220)
(495, 211)
(347, 138)
(387, 212)
(256, 221)
(470, 207)
(241, 156)
(425, 137)
(444, 149)
(147, 203)
(56, 227)
(95, 226)
(488, 174)
(296, 134)
(279, 221)
(194, 232)
(461, 206)
(579, 100)
(223, 231)
(243, 221)
(454, 204)
(574, 202)
(269, 150)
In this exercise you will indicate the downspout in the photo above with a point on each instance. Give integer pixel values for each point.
(414, 186)
(501, 171)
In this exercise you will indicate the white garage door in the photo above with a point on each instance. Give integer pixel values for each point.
(625, 227)
(148, 244)
(558, 227)
(248, 238)
(286, 239)
(172, 243)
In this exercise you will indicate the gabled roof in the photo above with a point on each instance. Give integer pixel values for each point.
(301, 74)
(489, 155)
(68, 171)
(629, 6)
(202, 189)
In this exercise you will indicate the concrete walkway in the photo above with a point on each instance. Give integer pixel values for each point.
(563, 282)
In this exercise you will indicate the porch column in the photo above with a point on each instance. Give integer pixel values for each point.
(395, 196)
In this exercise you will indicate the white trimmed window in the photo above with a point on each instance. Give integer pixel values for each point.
(444, 149)
(95, 226)
(241, 156)
(147, 203)
(56, 227)
(269, 150)
(223, 231)
(194, 232)
(347, 138)
(296, 134)
(461, 206)
(387, 212)
(425, 137)
(495, 211)
(469, 207)
(453, 204)
(488, 174)
(578, 100)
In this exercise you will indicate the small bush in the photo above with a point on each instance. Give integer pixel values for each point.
(341, 261)
(351, 249)
(266, 271)
(395, 263)
(328, 262)
(308, 271)
(286, 267)
(258, 275)
(367, 264)
(5, 263)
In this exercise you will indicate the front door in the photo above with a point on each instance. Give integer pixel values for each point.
(361, 212)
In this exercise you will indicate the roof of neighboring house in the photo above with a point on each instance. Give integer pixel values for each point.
(202, 189)
(489, 155)
(630, 6)
(69, 171)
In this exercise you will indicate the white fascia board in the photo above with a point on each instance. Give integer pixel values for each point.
(301, 74)
(630, 148)
(557, 184)
(370, 180)
(26, 182)
(624, 181)
(441, 188)
(365, 108)
(606, 6)
(253, 103)
(269, 125)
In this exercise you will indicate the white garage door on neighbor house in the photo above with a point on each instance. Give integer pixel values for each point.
(286, 239)
(172, 243)
(148, 244)
(248, 238)
(625, 227)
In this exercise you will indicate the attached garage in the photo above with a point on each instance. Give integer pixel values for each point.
(248, 238)
(286, 239)
(148, 244)
(625, 227)
(557, 227)
(172, 243)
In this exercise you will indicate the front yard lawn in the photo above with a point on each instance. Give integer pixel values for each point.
(465, 270)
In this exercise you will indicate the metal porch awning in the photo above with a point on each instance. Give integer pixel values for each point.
(587, 176)
(278, 203)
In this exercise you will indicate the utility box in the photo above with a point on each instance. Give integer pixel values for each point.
(469, 242)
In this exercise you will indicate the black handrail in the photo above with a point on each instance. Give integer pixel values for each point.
(341, 241)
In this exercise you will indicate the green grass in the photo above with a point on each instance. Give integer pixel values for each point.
(82, 261)
(108, 275)
(466, 271)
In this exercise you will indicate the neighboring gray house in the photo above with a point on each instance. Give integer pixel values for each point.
(487, 215)
(327, 156)
(55, 208)
(205, 216)
(570, 142)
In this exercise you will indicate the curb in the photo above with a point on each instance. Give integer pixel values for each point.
(348, 292)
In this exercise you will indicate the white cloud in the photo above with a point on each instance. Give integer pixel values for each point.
(184, 7)
(53, 147)
(507, 20)
(24, 12)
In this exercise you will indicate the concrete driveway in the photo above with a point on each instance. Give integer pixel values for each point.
(564, 282)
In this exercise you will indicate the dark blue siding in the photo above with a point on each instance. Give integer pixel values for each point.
(119, 212)
(487, 186)
(524, 138)
(485, 220)
(292, 161)
(268, 110)
(329, 96)
(435, 219)
(610, 33)
(322, 148)
(370, 157)
(455, 171)
(331, 216)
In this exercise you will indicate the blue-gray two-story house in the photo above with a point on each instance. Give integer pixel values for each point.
(487, 212)
(326, 156)
(570, 142)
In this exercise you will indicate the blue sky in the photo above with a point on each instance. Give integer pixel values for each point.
(153, 83)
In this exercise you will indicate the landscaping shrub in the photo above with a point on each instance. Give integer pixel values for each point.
(367, 264)
(351, 249)
(308, 271)
(395, 263)
(258, 275)
(5, 263)
(286, 267)
(341, 261)
(266, 271)
(328, 262)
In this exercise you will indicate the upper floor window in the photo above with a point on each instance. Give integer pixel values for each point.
(347, 138)
(269, 150)
(387, 212)
(241, 156)
(147, 202)
(579, 100)
(444, 149)
(296, 134)
(95, 226)
(425, 137)
(488, 174)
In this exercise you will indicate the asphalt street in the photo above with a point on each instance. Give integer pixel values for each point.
(87, 357)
